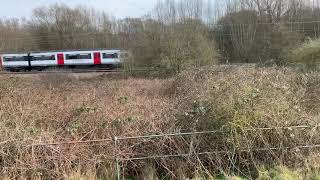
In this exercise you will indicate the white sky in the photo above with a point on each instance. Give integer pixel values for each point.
(118, 8)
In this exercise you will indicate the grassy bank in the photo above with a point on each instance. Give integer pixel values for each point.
(231, 100)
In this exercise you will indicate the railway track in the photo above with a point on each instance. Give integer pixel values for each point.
(62, 71)
(101, 70)
(73, 71)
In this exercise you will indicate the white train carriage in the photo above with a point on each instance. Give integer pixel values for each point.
(111, 57)
(78, 58)
(43, 60)
(14, 61)
(66, 59)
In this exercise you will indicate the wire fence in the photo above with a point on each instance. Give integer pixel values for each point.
(120, 156)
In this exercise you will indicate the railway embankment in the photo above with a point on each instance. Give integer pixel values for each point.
(248, 122)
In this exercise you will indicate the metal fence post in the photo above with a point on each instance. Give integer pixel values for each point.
(116, 158)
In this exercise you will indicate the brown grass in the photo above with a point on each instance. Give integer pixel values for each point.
(46, 110)
(59, 108)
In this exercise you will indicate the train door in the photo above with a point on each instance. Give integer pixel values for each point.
(97, 58)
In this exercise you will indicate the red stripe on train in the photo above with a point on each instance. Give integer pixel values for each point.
(97, 57)
(60, 59)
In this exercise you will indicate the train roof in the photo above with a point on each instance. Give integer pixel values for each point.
(63, 50)
(67, 50)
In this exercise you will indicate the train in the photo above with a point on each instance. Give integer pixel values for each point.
(67, 59)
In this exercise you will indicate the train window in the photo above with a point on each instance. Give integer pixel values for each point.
(78, 56)
(14, 58)
(44, 57)
(108, 55)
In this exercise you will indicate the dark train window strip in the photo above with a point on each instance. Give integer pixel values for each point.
(14, 58)
(106, 55)
(44, 58)
(78, 56)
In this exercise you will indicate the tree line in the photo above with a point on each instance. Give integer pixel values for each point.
(175, 33)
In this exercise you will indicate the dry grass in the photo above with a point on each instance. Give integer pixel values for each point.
(54, 108)
(32, 111)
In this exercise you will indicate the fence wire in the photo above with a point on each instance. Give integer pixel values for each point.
(132, 157)
(222, 152)
(116, 138)
(118, 158)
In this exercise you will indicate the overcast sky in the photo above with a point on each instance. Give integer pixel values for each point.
(118, 8)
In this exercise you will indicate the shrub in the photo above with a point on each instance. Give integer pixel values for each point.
(308, 54)
(251, 40)
(55, 80)
(241, 95)
(184, 47)
(229, 99)
(236, 99)
(171, 48)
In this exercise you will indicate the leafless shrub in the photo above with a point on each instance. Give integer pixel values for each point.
(55, 80)
(231, 100)
(72, 110)
(236, 102)
(312, 93)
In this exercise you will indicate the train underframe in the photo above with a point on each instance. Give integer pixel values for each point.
(64, 67)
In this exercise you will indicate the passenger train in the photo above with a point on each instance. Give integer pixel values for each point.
(99, 58)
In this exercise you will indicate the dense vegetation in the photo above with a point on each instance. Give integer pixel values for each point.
(266, 117)
(175, 33)
(308, 54)
(38, 110)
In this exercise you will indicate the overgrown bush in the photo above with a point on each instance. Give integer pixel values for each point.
(172, 48)
(245, 95)
(308, 54)
(232, 101)
(55, 80)
(243, 38)
(187, 45)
